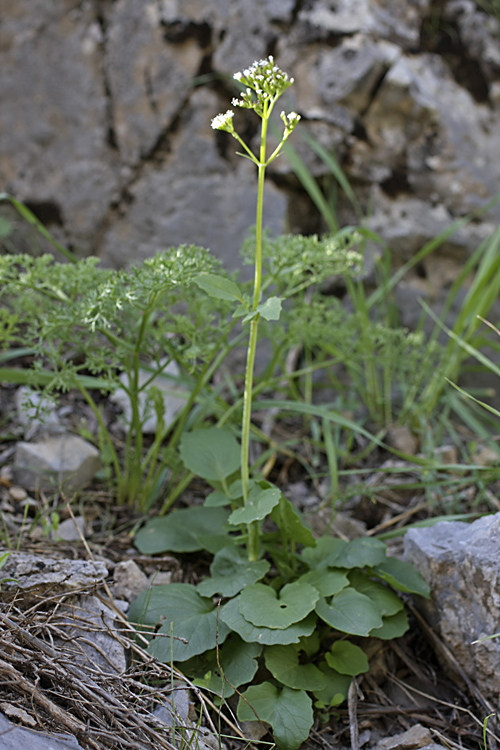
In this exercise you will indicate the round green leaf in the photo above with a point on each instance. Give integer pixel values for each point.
(335, 691)
(394, 627)
(361, 552)
(263, 607)
(194, 618)
(347, 658)
(230, 572)
(386, 600)
(231, 615)
(239, 664)
(283, 663)
(324, 554)
(185, 530)
(350, 612)
(212, 454)
(402, 576)
(327, 582)
(289, 712)
(260, 503)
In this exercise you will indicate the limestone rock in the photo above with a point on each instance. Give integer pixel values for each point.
(461, 564)
(63, 461)
(15, 737)
(129, 580)
(33, 575)
(416, 737)
(54, 124)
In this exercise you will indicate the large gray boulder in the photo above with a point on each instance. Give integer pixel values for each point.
(461, 564)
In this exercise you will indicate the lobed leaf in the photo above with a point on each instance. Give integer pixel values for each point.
(289, 712)
(232, 617)
(347, 658)
(263, 607)
(283, 663)
(230, 572)
(193, 616)
(350, 612)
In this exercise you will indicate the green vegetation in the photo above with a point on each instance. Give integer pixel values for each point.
(282, 615)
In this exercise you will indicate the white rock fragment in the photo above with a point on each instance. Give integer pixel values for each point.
(65, 462)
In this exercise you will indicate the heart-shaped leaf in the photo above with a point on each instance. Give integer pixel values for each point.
(386, 600)
(219, 287)
(324, 554)
(326, 581)
(362, 551)
(347, 658)
(185, 530)
(233, 618)
(194, 618)
(260, 503)
(335, 691)
(231, 571)
(216, 499)
(394, 627)
(289, 712)
(350, 612)
(260, 605)
(239, 664)
(402, 576)
(283, 663)
(212, 454)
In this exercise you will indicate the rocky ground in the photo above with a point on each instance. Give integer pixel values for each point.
(71, 668)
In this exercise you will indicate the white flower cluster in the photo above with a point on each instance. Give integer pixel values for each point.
(224, 122)
(264, 81)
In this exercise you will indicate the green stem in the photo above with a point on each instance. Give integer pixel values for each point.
(253, 529)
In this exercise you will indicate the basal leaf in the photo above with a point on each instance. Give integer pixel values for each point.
(347, 658)
(361, 552)
(239, 664)
(231, 615)
(219, 287)
(289, 712)
(288, 519)
(393, 626)
(326, 581)
(335, 691)
(185, 530)
(216, 499)
(260, 504)
(212, 454)
(283, 663)
(324, 554)
(230, 572)
(386, 600)
(193, 616)
(263, 607)
(402, 576)
(350, 612)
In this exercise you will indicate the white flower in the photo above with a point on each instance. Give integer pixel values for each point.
(224, 122)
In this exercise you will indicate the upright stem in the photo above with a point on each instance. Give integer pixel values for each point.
(252, 528)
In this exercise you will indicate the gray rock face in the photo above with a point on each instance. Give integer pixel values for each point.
(461, 564)
(15, 737)
(62, 461)
(33, 575)
(105, 123)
